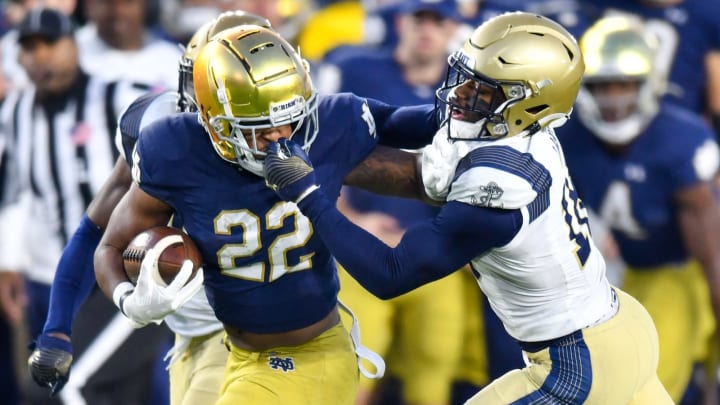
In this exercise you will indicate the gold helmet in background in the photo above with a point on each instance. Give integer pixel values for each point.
(249, 78)
(619, 52)
(528, 67)
(228, 19)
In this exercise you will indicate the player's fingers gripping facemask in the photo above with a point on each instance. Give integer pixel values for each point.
(226, 20)
(517, 74)
(248, 79)
(620, 92)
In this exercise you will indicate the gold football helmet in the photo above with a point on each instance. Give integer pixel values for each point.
(228, 19)
(249, 78)
(518, 73)
(619, 52)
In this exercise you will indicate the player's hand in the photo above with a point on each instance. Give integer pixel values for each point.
(288, 171)
(149, 301)
(13, 297)
(49, 363)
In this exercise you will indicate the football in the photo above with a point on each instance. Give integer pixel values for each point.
(179, 248)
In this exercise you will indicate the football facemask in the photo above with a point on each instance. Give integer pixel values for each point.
(518, 73)
(621, 91)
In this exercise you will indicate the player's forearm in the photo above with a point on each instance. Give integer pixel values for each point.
(713, 88)
(384, 271)
(110, 194)
(699, 222)
(388, 171)
(109, 268)
(74, 278)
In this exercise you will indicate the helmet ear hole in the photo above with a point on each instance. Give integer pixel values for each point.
(537, 109)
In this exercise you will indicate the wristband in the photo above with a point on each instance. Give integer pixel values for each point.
(120, 293)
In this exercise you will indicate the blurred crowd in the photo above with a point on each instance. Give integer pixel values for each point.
(442, 341)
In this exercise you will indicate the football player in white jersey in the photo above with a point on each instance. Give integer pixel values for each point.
(199, 355)
(510, 209)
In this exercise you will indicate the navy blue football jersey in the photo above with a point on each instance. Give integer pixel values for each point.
(634, 192)
(687, 31)
(266, 271)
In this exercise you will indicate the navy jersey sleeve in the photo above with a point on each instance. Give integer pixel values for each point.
(140, 113)
(409, 127)
(695, 155)
(161, 148)
(428, 251)
(347, 134)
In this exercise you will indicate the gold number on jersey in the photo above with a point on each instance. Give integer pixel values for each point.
(576, 218)
(278, 249)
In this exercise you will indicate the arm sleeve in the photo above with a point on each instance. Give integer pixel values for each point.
(403, 127)
(428, 251)
(74, 279)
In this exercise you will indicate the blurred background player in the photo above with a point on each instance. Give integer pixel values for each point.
(199, 357)
(425, 334)
(117, 43)
(646, 167)
(688, 56)
(61, 130)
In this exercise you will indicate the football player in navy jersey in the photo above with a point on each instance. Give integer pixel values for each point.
(196, 375)
(646, 169)
(509, 209)
(688, 56)
(269, 278)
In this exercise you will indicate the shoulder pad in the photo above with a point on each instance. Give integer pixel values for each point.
(140, 113)
(501, 177)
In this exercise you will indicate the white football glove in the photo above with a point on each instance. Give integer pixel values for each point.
(150, 300)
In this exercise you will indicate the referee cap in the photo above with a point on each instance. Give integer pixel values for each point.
(45, 23)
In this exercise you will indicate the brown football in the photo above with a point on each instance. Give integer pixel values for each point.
(171, 258)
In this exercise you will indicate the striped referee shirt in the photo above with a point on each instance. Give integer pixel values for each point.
(60, 153)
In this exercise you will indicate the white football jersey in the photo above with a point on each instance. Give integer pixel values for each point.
(549, 280)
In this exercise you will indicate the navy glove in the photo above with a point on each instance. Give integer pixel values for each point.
(288, 171)
(49, 364)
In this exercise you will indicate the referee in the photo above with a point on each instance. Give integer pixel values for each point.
(60, 133)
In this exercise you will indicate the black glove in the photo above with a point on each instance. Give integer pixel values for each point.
(288, 171)
(49, 364)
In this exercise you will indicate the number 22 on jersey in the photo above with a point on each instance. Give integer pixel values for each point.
(277, 251)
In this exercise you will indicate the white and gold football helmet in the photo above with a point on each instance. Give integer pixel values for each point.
(247, 79)
(618, 52)
(518, 73)
(228, 19)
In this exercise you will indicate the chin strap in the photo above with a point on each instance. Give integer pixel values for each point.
(363, 352)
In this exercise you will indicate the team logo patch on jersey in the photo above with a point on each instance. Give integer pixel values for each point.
(488, 196)
(279, 363)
